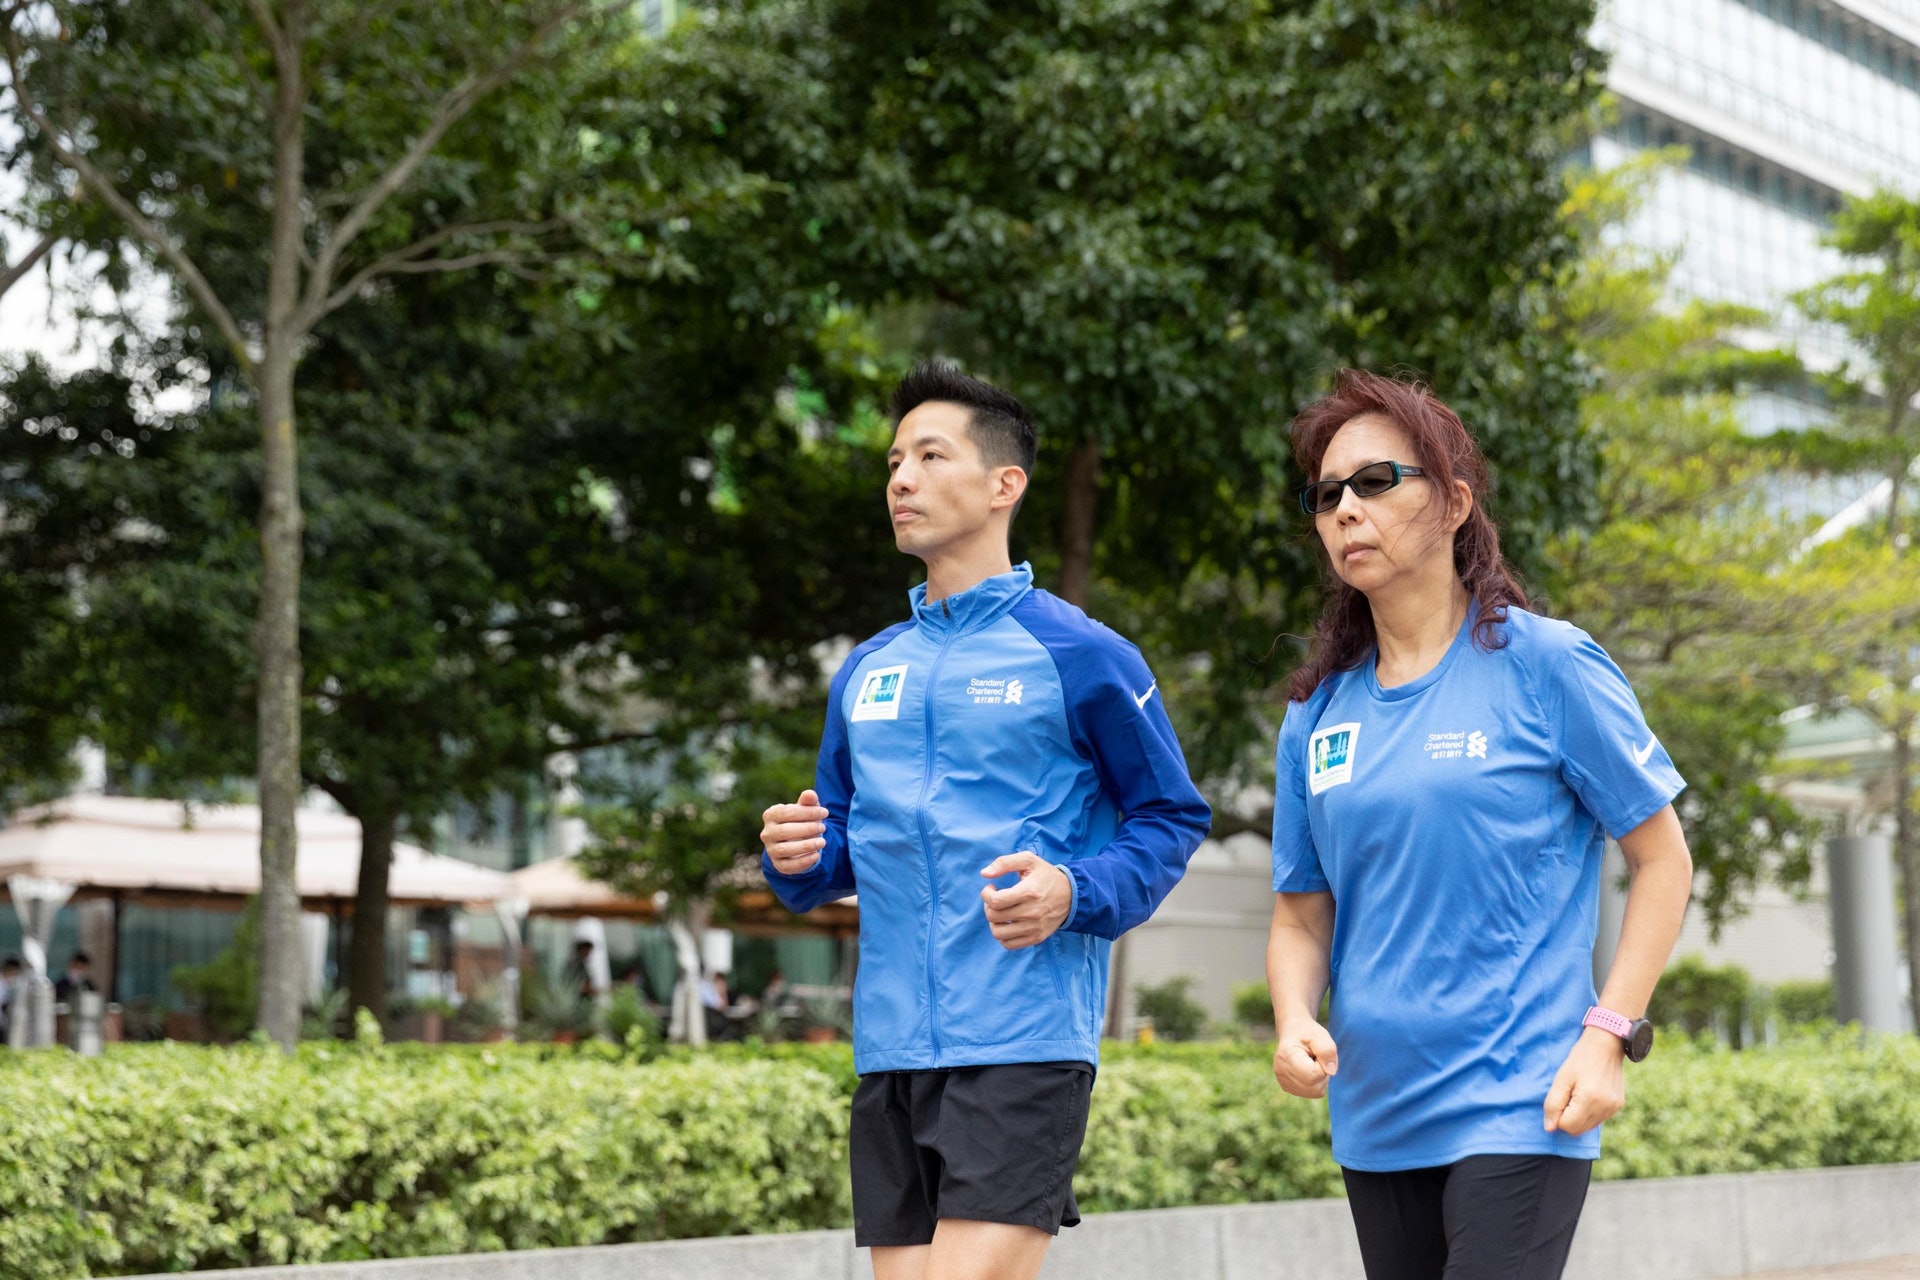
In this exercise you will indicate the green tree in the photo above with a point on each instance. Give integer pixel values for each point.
(1162, 224)
(1877, 307)
(1679, 575)
(1870, 660)
(205, 132)
(61, 441)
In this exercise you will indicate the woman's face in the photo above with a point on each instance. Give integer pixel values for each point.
(1404, 534)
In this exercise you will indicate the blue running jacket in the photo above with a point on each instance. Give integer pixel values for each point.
(998, 720)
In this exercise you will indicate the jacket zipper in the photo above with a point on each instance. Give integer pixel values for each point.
(926, 844)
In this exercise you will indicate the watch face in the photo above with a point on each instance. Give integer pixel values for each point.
(1639, 1040)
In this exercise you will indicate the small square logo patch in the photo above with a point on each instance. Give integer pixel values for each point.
(880, 694)
(1330, 756)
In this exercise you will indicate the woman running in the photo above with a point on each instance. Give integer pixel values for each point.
(1450, 766)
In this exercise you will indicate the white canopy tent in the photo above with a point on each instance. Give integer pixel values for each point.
(161, 848)
(124, 849)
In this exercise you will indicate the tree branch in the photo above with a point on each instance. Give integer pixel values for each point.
(238, 53)
(103, 188)
(630, 735)
(453, 108)
(407, 258)
(263, 16)
(12, 275)
(1232, 824)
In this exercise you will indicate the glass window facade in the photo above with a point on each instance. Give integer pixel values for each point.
(1811, 77)
(1784, 107)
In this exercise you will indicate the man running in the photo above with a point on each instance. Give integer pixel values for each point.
(1000, 783)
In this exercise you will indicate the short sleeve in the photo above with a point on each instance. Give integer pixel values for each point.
(1296, 863)
(1608, 755)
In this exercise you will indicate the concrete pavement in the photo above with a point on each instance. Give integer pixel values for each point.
(1907, 1268)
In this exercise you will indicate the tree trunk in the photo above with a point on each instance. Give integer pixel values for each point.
(276, 635)
(1906, 855)
(1899, 402)
(367, 958)
(1080, 512)
(277, 646)
(1077, 522)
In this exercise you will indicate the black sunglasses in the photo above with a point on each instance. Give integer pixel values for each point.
(1369, 481)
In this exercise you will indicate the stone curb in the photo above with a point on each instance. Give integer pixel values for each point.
(1653, 1229)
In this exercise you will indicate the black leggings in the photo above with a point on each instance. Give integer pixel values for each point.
(1483, 1218)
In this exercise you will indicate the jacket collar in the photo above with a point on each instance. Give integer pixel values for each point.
(975, 607)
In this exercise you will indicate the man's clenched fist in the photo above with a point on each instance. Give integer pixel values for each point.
(1026, 914)
(795, 834)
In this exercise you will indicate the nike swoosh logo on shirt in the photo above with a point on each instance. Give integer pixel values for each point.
(1141, 701)
(1645, 753)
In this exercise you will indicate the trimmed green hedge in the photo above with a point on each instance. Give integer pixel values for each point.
(170, 1157)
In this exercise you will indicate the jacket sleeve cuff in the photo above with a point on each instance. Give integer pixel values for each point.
(1073, 901)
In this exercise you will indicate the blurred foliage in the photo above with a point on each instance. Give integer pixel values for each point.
(608, 498)
(1868, 577)
(227, 987)
(170, 1157)
(1175, 1014)
(1253, 1007)
(1679, 576)
(1803, 1003)
(1163, 226)
(1699, 998)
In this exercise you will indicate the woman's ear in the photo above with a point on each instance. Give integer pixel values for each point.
(1459, 506)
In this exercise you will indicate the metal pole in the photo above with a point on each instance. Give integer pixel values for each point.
(1866, 967)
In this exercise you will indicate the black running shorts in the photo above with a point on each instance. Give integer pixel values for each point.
(989, 1144)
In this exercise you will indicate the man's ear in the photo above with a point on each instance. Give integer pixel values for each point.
(1009, 486)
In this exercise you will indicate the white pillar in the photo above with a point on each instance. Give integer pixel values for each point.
(1866, 948)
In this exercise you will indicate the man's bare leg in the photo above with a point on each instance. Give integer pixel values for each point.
(901, 1262)
(967, 1250)
(963, 1249)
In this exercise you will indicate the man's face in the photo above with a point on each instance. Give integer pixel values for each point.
(941, 492)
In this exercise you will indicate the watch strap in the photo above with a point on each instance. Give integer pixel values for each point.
(1607, 1020)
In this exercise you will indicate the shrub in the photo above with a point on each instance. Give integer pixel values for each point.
(227, 987)
(627, 1020)
(170, 1158)
(1696, 997)
(1803, 1003)
(175, 1157)
(1253, 1007)
(1175, 1014)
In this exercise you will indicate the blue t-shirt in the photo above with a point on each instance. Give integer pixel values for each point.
(1459, 821)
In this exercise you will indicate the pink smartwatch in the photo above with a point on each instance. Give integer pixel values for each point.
(1635, 1033)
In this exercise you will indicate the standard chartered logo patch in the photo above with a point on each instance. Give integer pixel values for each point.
(1454, 746)
(983, 691)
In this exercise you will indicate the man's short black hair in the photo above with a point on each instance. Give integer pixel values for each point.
(81, 957)
(1001, 427)
(11, 962)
